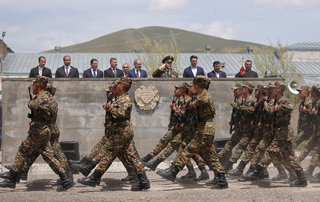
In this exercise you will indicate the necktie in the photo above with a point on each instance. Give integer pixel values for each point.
(115, 73)
(67, 71)
(94, 73)
(138, 74)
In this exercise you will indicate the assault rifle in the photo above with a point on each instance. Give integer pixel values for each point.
(316, 120)
(241, 113)
(233, 115)
(30, 95)
(195, 117)
(108, 116)
(263, 116)
(302, 104)
(172, 111)
(274, 114)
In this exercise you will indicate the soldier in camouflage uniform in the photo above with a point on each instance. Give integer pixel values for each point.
(86, 164)
(120, 142)
(311, 143)
(44, 110)
(235, 130)
(183, 112)
(246, 116)
(261, 95)
(203, 142)
(173, 128)
(281, 145)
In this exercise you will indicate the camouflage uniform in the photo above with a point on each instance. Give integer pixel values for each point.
(164, 72)
(236, 135)
(281, 146)
(247, 131)
(120, 142)
(305, 118)
(44, 109)
(203, 142)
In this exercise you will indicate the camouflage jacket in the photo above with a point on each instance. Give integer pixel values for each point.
(44, 108)
(305, 116)
(247, 110)
(259, 109)
(205, 106)
(316, 114)
(184, 111)
(121, 108)
(236, 115)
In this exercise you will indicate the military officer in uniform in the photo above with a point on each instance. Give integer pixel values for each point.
(165, 70)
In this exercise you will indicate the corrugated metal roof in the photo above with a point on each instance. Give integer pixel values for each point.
(306, 46)
(21, 63)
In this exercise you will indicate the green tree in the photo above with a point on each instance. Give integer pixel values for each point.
(277, 61)
(153, 51)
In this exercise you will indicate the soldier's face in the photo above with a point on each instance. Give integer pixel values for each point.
(168, 65)
(256, 93)
(191, 91)
(303, 93)
(176, 92)
(35, 88)
(244, 90)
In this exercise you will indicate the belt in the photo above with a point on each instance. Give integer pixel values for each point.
(39, 120)
(120, 120)
(206, 120)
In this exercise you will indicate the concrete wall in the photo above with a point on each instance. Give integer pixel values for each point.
(81, 115)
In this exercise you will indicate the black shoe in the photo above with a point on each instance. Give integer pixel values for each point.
(91, 181)
(222, 183)
(152, 165)
(239, 170)
(292, 175)
(282, 174)
(66, 182)
(85, 168)
(10, 182)
(191, 175)
(214, 181)
(301, 181)
(143, 183)
(204, 174)
(132, 175)
(264, 174)
(146, 158)
(253, 176)
(170, 174)
(241, 178)
(78, 162)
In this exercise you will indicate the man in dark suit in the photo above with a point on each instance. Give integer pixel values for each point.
(40, 69)
(193, 70)
(67, 71)
(125, 69)
(216, 73)
(137, 72)
(113, 71)
(248, 72)
(93, 72)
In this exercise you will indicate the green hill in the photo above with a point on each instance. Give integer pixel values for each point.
(129, 40)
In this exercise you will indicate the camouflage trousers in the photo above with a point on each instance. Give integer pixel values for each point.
(310, 144)
(175, 144)
(281, 150)
(263, 145)
(315, 156)
(120, 143)
(99, 150)
(202, 144)
(172, 132)
(246, 137)
(232, 142)
(56, 148)
(252, 145)
(305, 134)
(37, 142)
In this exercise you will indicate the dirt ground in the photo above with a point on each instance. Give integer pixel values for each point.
(39, 188)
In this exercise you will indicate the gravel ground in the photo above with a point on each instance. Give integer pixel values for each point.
(39, 188)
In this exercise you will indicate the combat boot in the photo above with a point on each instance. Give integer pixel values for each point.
(10, 182)
(9, 167)
(170, 174)
(239, 170)
(93, 180)
(214, 181)
(301, 181)
(78, 162)
(309, 171)
(222, 183)
(282, 174)
(293, 176)
(315, 179)
(66, 182)
(153, 165)
(191, 173)
(132, 175)
(228, 166)
(253, 176)
(85, 168)
(204, 174)
(264, 174)
(147, 158)
(143, 183)
(241, 178)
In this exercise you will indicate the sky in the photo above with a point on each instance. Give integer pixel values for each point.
(37, 25)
